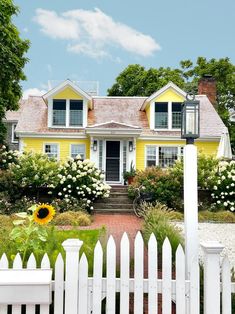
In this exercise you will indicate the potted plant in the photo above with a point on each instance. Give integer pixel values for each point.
(128, 176)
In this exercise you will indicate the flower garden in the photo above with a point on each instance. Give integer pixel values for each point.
(39, 195)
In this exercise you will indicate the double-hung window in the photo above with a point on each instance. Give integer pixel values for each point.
(59, 112)
(78, 149)
(161, 115)
(176, 115)
(52, 150)
(14, 137)
(162, 156)
(151, 156)
(76, 113)
(167, 115)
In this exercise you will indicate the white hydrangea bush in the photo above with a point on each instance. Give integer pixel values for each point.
(82, 180)
(8, 157)
(224, 188)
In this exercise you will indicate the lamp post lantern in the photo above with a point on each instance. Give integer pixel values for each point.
(190, 119)
(190, 131)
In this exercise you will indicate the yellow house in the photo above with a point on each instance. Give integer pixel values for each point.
(114, 132)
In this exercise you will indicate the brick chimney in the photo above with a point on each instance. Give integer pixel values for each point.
(207, 86)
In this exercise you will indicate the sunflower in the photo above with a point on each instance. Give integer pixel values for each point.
(43, 214)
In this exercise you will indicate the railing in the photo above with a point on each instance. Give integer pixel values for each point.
(84, 294)
(90, 87)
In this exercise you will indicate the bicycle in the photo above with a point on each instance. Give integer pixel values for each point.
(140, 199)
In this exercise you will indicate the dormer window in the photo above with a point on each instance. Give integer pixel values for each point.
(161, 115)
(76, 113)
(67, 113)
(176, 115)
(59, 112)
(167, 115)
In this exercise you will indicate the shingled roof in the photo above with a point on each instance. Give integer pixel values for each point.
(32, 117)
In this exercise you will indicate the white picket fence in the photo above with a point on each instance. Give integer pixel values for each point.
(84, 294)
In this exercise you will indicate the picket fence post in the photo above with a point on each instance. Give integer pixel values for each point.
(212, 252)
(72, 248)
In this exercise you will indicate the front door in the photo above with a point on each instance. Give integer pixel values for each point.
(113, 161)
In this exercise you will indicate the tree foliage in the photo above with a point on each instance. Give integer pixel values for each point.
(12, 60)
(135, 80)
(223, 71)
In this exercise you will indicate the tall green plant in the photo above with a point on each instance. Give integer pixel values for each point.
(12, 60)
(156, 221)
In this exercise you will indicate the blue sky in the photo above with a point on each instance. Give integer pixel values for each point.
(95, 40)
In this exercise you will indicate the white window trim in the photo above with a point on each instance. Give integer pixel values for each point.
(81, 144)
(157, 152)
(67, 126)
(152, 117)
(13, 140)
(52, 143)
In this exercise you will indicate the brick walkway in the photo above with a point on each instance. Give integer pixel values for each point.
(116, 225)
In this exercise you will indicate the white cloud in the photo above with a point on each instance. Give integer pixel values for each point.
(55, 26)
(93, 32)
(33, 92)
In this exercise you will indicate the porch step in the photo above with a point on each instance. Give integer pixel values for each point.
(115, 199)
(113, 206)
(113, 210)
(118, 201)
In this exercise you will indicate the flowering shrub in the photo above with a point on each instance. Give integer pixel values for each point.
(224, 188)
(162, 186)
(166, 185)
(207, 167)
(35, 170)
(9, 206)
(82, 180)
(74, 204)
(7, 158)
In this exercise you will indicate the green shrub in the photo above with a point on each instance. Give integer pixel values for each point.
(71, 218)
(224, 188)
(163, 187)
(73, 204)
(81, 179)
(166, 185)
(7, 157)
(34, 171)
(156, 221)
(207, 166)
(8, 186)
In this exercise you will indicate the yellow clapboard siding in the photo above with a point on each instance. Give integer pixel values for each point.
(37, 145)
(67, 93)
(209, 148)
(169, 95)
(147, 110)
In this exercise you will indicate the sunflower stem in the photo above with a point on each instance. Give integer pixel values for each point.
(26, 243)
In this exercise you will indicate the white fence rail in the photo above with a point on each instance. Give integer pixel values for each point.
(138, 294)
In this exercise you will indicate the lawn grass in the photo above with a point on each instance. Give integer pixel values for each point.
(54, 244)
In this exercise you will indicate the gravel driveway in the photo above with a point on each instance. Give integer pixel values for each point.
(222, 232)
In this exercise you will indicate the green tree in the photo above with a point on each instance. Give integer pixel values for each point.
(12, 60)
(135, 80)
(223, 71)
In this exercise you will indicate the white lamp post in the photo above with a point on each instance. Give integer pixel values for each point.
(190, 131)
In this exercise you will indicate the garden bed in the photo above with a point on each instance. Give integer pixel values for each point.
(53, 246)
